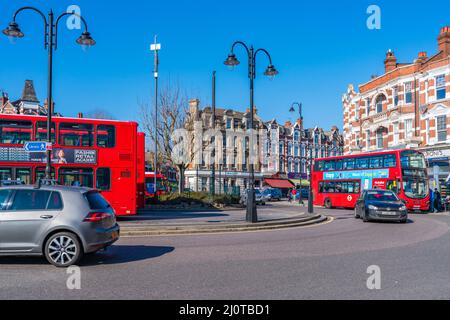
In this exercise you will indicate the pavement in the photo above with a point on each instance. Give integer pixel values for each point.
(322, 261)
(273, 215)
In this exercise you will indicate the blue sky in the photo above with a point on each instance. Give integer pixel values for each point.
(319, 47)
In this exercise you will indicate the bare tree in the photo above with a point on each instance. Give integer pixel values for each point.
(172, 111)
(100, 113)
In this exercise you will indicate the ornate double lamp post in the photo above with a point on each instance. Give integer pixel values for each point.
(232, 61)
(50, 44)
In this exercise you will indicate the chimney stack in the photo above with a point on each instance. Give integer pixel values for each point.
(444, 41)
(390, 63)
(287, 124)
(422, 57)
(299, 122)
(80, 115)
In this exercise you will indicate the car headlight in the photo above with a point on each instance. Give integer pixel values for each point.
(371, 207)
(403, 208)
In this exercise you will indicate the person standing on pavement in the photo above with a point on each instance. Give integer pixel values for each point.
(431, 200)
(437, 200)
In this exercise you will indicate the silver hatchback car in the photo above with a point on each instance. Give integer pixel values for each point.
(59, 222)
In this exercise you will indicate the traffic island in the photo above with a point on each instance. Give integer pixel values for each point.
(138, 228)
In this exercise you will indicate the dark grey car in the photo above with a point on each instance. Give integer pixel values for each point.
(62, 223)
(380, 205)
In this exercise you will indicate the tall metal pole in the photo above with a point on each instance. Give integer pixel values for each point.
(252, 215)
(155, 47)
(310, 193)
(48, 168)
(213, 173)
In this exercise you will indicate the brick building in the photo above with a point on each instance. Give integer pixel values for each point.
(282, 150)
(406, 107)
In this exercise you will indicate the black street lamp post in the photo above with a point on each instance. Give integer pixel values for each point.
(50, 43)
(292, 109)
(310, 193)
(232, 61)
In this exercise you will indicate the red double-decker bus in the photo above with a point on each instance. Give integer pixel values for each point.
(338, 181)
(103, 154)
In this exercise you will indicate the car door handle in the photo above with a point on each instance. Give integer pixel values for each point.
(46, 217)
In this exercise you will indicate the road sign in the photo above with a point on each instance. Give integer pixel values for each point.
(37, 146)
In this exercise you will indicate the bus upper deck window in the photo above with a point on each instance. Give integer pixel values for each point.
(76, 134)
(15, 132)
(106, 136)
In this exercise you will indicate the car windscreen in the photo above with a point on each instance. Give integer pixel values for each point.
(96, 201)
(381, 196)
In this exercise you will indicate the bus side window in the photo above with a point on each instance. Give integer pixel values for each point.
(389, 161)
(339, 164)
(106, 136)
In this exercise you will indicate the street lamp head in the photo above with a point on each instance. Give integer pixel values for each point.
(13, 30)
(271, 71)
(231, 61)
(292, 109)
(86, 40)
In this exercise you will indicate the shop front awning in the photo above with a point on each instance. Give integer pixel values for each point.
(303, 182)
(279, 183)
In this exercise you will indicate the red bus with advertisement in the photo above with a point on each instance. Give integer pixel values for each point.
(338, 181)
(103, 154)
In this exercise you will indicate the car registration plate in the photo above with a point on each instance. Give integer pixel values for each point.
(389, 213)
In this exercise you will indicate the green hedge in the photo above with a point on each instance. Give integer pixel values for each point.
(195, 198)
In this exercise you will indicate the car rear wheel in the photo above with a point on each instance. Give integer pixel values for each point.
(63, 249)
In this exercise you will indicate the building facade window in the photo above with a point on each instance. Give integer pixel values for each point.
(228, 123)
(408, 92)
(296, 150)
(379, 139)
(441, 127)
(408, 128)
(289, 150)
(395, 96)
(379, 104)
(440, 87)
(367, 106)
(367, 139)
(396, 133)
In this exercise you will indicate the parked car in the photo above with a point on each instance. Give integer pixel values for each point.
(59, 222)
(272, 194)
(259, 197)
(380, 205)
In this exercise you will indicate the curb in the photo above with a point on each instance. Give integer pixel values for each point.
(133, 231)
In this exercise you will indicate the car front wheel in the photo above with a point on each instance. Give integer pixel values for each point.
(63, 249)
